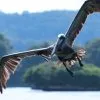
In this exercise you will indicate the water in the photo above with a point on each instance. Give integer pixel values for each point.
(28, 94)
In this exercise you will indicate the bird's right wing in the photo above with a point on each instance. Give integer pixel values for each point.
(87, 8)
(9, 63)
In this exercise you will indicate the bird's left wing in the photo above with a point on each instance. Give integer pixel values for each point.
(87, 8)
(9, 63)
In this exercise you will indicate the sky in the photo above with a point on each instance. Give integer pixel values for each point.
(12, 6)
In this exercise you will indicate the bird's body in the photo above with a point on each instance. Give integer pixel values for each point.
(63, 48)
(66, 54)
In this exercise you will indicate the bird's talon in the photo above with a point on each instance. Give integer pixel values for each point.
(81, 65)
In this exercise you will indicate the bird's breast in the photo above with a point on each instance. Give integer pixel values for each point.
(64, 50)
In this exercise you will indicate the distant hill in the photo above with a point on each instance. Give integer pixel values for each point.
(27, 29)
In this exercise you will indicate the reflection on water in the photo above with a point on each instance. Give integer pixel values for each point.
(28, 94)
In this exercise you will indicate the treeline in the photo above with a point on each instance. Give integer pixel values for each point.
(37, 73)
(30, 28)
(50, 76)
(5, 46)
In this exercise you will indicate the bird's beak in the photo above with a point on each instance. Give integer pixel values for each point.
(53, 51)
(55, 47)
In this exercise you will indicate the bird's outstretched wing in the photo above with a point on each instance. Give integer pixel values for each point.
(87, 8)
(9, 63)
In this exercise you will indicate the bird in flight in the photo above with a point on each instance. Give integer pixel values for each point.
(63, 48)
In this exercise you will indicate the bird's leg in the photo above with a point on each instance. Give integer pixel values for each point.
(79, 61)
(70, 72)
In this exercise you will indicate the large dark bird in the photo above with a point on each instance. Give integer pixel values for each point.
(62, 48)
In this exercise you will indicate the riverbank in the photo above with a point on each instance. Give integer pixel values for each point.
(69, 88)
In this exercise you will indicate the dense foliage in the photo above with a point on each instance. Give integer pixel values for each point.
(93, 52)
(51, 75)
(5, 46)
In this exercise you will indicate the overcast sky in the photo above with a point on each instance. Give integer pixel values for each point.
(11, 6)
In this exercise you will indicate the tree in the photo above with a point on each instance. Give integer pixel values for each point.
(5, 46)
(93, 52)
(51, 76)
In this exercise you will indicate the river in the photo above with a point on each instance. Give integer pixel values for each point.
(28, 94)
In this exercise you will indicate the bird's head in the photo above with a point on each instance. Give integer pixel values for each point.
(61, 36)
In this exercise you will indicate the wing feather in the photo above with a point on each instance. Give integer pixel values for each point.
(87, 8)
(9, 63)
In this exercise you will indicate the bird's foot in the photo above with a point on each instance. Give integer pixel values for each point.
(81, 65)
(69, 71)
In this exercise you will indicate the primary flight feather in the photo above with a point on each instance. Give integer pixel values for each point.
(62, 48)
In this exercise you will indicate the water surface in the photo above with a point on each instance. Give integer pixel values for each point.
(28, 94)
